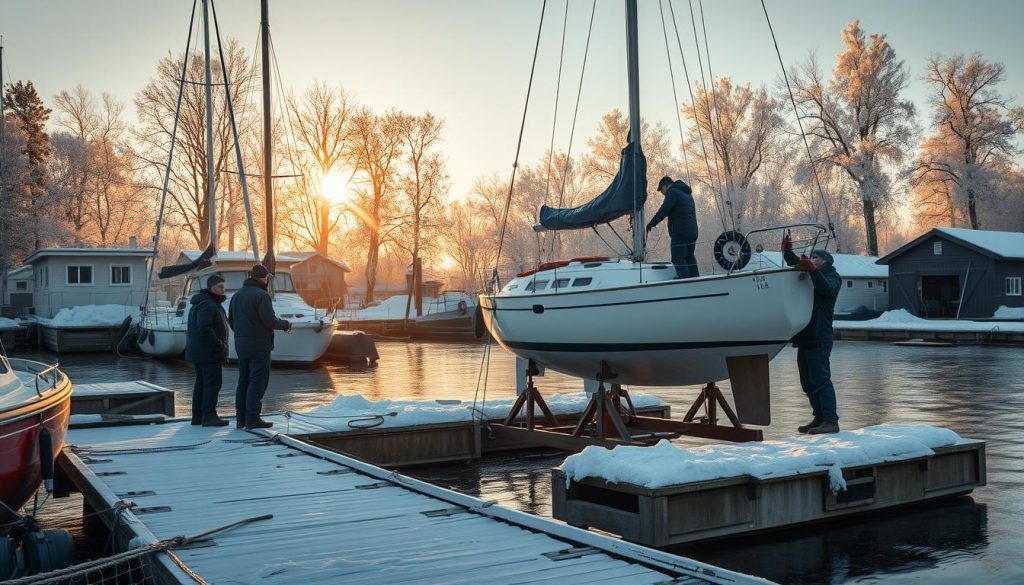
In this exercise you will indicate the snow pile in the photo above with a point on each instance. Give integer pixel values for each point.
(336, 415)
(6, 323)
(394, 307)
(98, 315)
(900, 319)
(668, 465)
(1004, 312)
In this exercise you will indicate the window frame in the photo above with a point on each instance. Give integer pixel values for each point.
(131, 275)
(1015, 289)
(92, 275)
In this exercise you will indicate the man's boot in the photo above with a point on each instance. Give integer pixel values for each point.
(824, 428)
(810, 425)
(212, 420)
(258, 423)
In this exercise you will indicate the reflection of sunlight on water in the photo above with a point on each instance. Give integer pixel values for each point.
(975, 391)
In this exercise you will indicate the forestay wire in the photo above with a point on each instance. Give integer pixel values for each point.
(519, 146)
(800, 124)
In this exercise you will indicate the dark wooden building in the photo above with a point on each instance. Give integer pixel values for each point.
(319, 279)
(955, 272)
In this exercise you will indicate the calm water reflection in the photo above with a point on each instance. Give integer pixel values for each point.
(978, 392)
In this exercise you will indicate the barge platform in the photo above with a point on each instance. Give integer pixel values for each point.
(321, 517)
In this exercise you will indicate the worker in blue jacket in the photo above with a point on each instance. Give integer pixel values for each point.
(206, 346)
(814, 342)
(681, 212)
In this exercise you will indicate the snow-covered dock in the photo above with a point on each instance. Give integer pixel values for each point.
(334, 519)
(120, 402)
(666, 495)
(899, 325)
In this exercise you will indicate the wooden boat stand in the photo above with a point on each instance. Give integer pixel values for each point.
(617, 425)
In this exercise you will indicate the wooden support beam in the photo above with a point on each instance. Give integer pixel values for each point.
(546, 438)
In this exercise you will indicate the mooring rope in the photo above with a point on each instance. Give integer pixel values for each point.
(135, 451)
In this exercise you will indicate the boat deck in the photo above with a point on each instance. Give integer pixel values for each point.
(335, 519)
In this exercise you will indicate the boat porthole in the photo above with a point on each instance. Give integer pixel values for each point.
(538, 309)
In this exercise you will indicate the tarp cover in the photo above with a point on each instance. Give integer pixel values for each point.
(628, 188)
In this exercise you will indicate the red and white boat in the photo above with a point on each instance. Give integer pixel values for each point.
(33, 397)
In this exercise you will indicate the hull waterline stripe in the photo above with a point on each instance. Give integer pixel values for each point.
(546, 308)
(623, 347)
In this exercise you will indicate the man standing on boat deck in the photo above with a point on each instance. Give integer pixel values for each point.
(681, 212)
(206, 346)
(814, 343)
(253, 320)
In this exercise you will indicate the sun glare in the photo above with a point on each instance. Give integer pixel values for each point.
(335, 187)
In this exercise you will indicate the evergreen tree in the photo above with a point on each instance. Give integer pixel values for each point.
(25, 107)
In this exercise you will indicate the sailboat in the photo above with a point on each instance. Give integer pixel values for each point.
(163, 331)
(632, 321)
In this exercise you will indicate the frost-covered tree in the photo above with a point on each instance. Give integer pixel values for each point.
(858, 118)
(959, 165)
(735, 132)
(25, 107)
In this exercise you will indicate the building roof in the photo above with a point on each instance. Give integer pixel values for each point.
(847, 265)
(44, 252)
(240, 256)
(303, 256)
(1000, 245)
(15, 272)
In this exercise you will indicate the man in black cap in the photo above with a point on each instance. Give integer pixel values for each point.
(681, 212)
(253, 320)
(814, 342)
(206, 346)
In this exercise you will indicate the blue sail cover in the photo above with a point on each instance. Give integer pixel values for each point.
(628, 188)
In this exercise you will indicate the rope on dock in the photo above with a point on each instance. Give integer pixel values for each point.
(357, 421)
(167, 545)
(135, 450)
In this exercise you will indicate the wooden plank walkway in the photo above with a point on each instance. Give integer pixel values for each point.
(335, 519)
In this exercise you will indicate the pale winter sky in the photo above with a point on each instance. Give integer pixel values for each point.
(468, 61)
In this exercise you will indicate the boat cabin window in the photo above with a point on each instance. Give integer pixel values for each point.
(536, 285)
(582, 281)
(561, 283)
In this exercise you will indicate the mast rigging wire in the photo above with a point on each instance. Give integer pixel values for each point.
(800, 124)
(675, 95)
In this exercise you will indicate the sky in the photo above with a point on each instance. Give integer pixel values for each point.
(468, 61)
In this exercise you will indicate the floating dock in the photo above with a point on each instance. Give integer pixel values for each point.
(79, 338)
(993, 336)
(113, 403)
(705, 510)
(320, 517)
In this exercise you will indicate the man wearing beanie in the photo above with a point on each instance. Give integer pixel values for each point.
(681, 212)
(253, 320)
(814, 343)
(206, 346)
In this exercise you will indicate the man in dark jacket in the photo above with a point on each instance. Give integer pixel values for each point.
(814, 342)
(681, 212)
(253, 320)
(206, 346)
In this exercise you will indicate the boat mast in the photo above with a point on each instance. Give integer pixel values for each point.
(268, 151)
(212, 215)
(633, 75)
(3, 180)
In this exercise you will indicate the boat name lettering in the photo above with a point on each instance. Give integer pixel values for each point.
(761, 282)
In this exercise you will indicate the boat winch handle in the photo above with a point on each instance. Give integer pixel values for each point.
(732, 250)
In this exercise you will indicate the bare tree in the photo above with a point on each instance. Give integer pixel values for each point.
(862, 124)
(76, 114)
(376, 152)
(425, 180)
(973, 139)
(742, 131)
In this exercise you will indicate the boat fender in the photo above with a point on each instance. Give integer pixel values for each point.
(46, 459)
(732, 250)
(478, 325)
(48, 550)
(463, 307)
(127, 323)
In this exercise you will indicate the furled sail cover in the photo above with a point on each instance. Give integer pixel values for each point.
(628, 188)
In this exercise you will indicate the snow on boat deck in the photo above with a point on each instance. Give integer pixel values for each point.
(107, 388)
(338, 520)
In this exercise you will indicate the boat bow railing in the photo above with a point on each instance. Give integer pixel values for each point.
(49, 374)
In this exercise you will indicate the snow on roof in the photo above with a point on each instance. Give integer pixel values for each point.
(17, 271)
(43, 252)
(1005, 244)
(847, 265)
(666, 464)
(303, 256)
(239, 256)
(901, 320)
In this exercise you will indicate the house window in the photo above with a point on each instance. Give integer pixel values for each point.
(120, 275)
(21, 285)
(849, 284)
(937, 248)
(80, 275)
(885, 286)
(870, 284)
(1013, 286)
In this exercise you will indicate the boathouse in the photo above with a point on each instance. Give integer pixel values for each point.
(318, 277)
(75, 277)
(18, 294)
(956, 272)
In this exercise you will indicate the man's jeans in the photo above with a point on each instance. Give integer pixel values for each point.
(253, 377)
(816, 380)
(684, 260)
(206, 389)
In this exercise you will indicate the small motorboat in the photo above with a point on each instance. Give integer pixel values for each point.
(35, 403)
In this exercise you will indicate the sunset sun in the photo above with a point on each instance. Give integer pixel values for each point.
(334, 186)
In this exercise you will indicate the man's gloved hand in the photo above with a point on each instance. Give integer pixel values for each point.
(787, 243)
(288, 324)
(649, 228)
(805, 265)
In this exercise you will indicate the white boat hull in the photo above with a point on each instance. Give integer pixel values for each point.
(164, 342)
(659, 332)
(306, 343)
